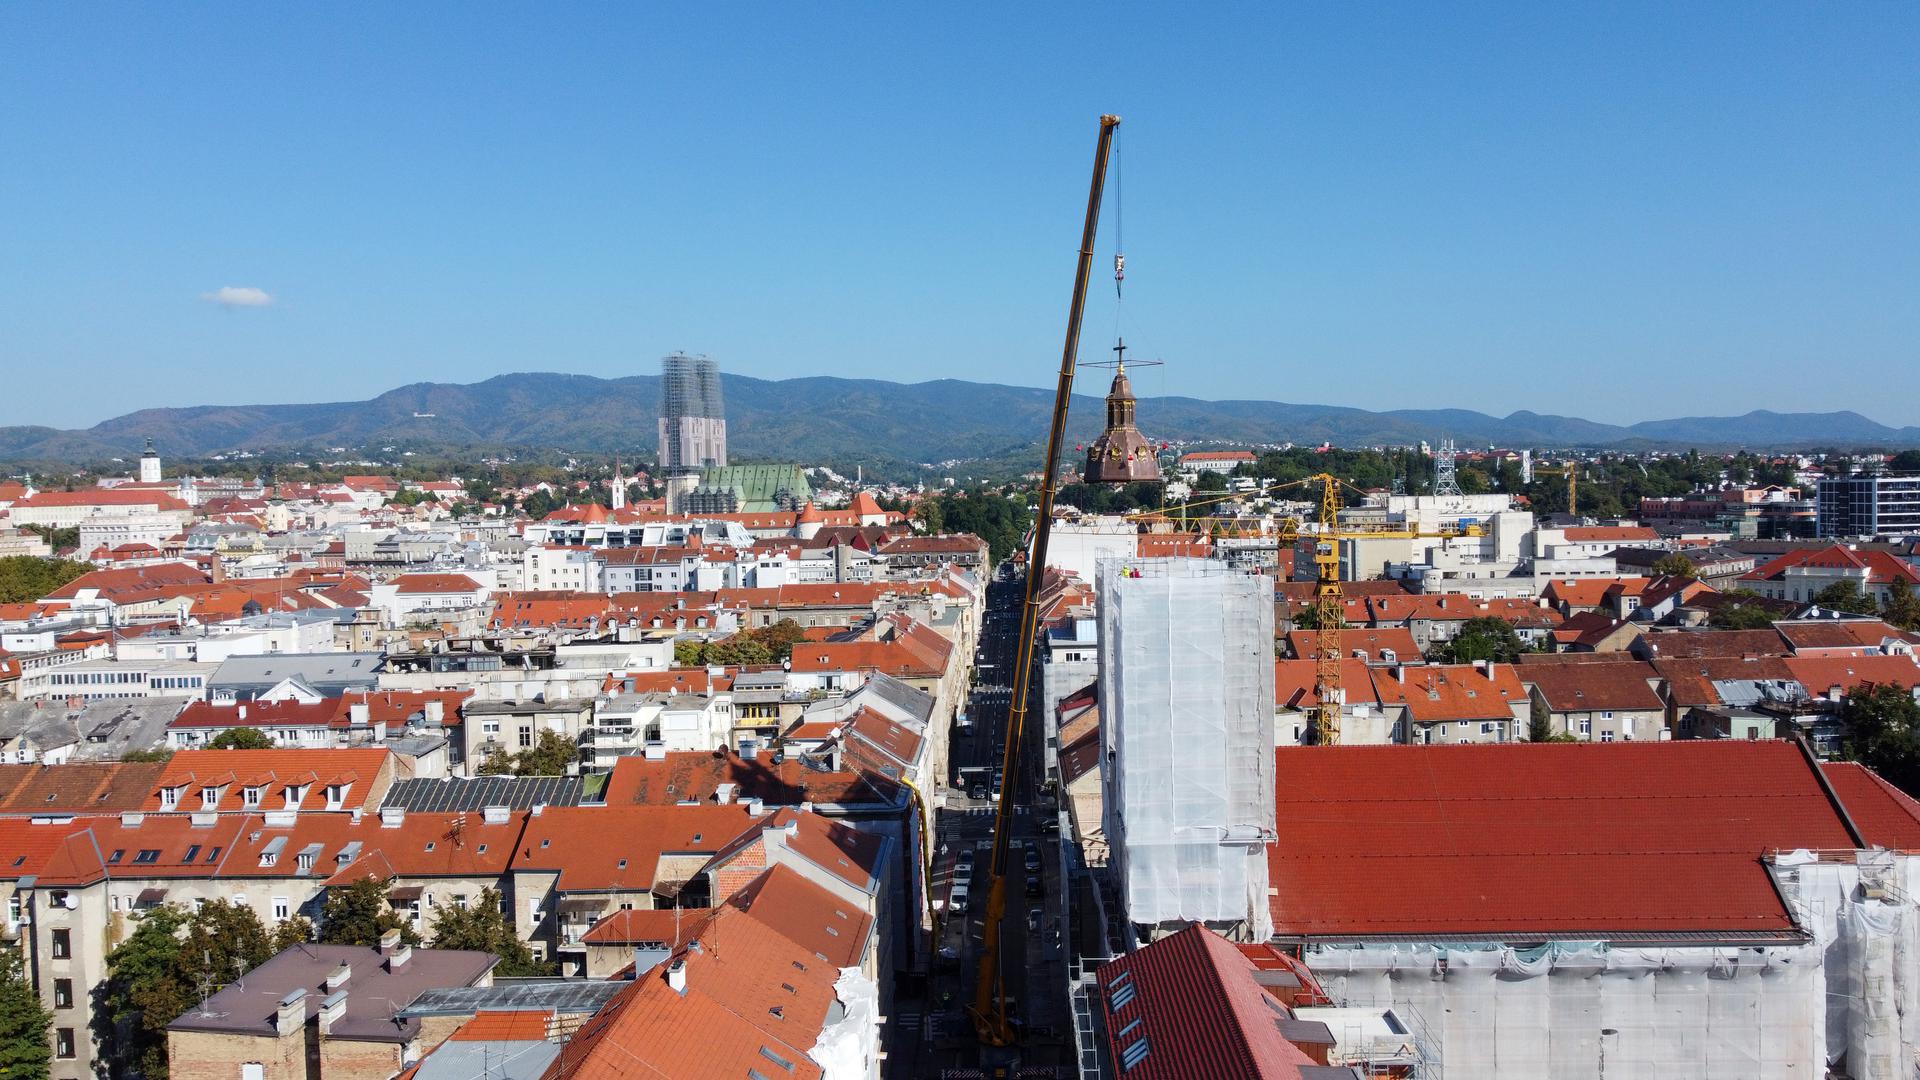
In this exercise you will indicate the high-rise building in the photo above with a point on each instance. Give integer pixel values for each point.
(1867, 506)
(693, 423)
(1186, 698)
(693, 414)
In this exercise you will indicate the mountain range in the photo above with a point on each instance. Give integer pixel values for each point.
(864, 421)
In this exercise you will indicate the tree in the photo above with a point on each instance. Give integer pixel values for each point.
(141, 995)
(29, 577)
(24, 1050)
(781, 637)
(1902, 608)
(929, 516)
(482, 927)
(1483, 638)
(688, 652)
(241, 738)
(359, 914)
(549, 756)
(1846, 596)
(1883, 733)
(172, 957)
(297, 930)
(1209, 480)
(1742, 614)
(154, 754)
(1675, 564)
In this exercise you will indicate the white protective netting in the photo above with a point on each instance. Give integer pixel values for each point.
(1848, 999)
(1186, 691)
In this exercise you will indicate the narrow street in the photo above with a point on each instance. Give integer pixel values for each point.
(1032, 951)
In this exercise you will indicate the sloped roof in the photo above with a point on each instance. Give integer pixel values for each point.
(1439, 693)
(808, 915)
(636, 781)
(1703, 643)
(1820, 674)
(1532, 840)
(1880, 567)
(1588, 687)
(1201, 1015)
(77, 787)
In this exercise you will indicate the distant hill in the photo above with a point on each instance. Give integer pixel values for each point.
(854, 421)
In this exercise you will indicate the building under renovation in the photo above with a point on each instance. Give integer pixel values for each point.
(1186, 685)
(693, 422)
(1696, 909)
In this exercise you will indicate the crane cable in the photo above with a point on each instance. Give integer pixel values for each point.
(1119, 224)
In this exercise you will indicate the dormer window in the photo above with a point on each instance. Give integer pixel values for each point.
(210, 797)
(250, 796)
(170, 797)
(296, 794)
(337, 795)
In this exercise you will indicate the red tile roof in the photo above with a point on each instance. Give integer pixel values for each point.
(1375, 643)
(488, 1025)
(106, 787)
(103, 497)
(278, 770)
(1589, 687)
(1589, 534)
(618, 848)
(1851, 634)
(1527, 840)
(808, 915)
(1440, 693)
(1703, 643)
(417, 584)
(1199, 1012)
(1823, 674)
(1881, 567)
(636, 781)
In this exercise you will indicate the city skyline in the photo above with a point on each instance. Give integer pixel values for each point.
(1524, 199)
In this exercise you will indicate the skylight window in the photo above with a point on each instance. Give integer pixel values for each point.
(1119, 997)
(1134, 1054)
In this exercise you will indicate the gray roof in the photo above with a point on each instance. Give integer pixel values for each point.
(456, 793)
(331, 674)
(495, 1060)
(375, 995)
(915, 703)
(98, 730)
(558, 995)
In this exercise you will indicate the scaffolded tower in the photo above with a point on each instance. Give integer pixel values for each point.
(693, 423)
(1186, 691)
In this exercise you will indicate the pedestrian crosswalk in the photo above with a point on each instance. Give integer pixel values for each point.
(976, 811)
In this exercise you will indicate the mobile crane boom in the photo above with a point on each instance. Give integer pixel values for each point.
(990, 994)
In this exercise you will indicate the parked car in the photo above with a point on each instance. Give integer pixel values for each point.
(959, 899)
(963, 875)
(1033, 918)
(1035, 887)
(980, 792)
(1032, 860)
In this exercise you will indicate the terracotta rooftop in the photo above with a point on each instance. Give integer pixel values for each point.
(1525, 841)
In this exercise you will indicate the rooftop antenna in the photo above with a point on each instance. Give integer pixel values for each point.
(1445, 480)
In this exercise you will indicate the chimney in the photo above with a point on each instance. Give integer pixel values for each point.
(331, 1010)
(291, 1015)
(358, 714)
(677, 976)
(723, 793)
(397, 959)
(755, 807)
(1399, 672)
(338, 977)
(392, 817)
(240, 712)
(436, 713)
(390, 941)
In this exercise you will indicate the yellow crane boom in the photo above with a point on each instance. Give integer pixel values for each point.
(990, 993)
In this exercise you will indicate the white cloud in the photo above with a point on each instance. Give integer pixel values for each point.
(233, 296)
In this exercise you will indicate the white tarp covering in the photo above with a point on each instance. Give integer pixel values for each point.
(1849, 999)
(849, 1047)
(1186, 686)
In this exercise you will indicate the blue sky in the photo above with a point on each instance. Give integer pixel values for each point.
(1625, 214)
